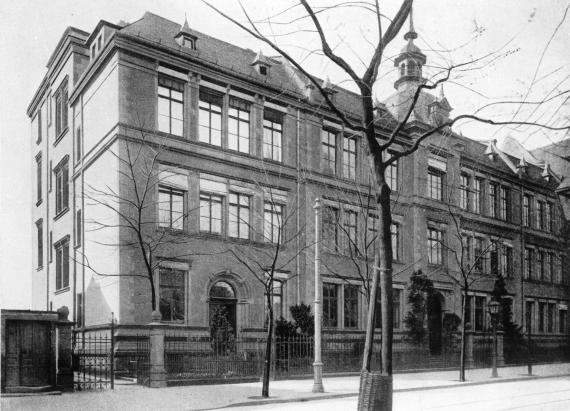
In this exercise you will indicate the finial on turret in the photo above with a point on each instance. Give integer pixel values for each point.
(411, 34)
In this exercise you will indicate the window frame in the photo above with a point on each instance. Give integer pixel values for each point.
(61, 111)
(172, 85)
(40, 243)
(438, 242)
(464, 183)
(39, 178)
(435, 183)
(270, 210)
(210, 104)
(334, 243)
(272, 133)
(61, 172)
(238, 219)
(159, 286)
(62, 264)
(328, 151)
(350, 227)
(330, 305)
(239, 112)
(171, 192)
(478, 183)
(213, 199)
(349, 157)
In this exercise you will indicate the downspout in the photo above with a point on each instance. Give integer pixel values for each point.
(298, 187)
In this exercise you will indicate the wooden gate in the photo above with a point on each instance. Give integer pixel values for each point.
(28, 353)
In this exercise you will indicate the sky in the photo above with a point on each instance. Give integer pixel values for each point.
(520, 48)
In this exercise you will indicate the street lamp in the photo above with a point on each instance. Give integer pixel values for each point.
(494, 307)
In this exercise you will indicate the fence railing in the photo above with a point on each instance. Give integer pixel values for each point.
(93, 361)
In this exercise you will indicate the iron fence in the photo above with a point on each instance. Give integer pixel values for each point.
(93, 361)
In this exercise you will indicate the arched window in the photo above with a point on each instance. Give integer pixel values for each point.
(221, 289)
(223, 304)
(403, 69)
(412, 68)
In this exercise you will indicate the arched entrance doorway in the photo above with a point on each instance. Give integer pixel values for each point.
(223, 302)
(434, 323)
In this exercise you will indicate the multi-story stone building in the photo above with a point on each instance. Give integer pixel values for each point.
(242, 140)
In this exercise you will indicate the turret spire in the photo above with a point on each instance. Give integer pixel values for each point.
(411, 34)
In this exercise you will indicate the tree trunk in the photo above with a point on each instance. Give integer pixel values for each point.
(463, 342)
(267, 362)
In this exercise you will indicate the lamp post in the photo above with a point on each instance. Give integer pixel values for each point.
(318, 364)
(494, 307)
(529, 343)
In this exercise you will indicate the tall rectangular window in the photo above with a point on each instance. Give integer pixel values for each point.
(477, 189)
(211, 213)
(210, 117)
(466, 244)
(493, 200)
(238, 125)
(60, 110)
(272, 135)
(435, 246)
(468, 309)
(39, 190)
(528, 257)
(350, 230)
(540, 265)
(330, 228)
(435, 184)
(550, 317)
(350, 306)
(494, 258)
(391, 175)
(330, 305)
(62, 264)
(397, 307)
(276, 298)
(505, 204)
(478, 254)
(273, 222)
(371, 232)
(526, 210)
(78, 227)
(171, 208)
(506, 261)
(328, 151)
(40, 240)
(529, 315)
(170, 106)
(61, 186)
(549, 225)
(239, 216)
(464, 191)
(39, 120)
(172, 294)
(540, 211)
(395, 233)
(349, 157)
(562, 320)
(541, 316)
(480, 313)
(547, 267)
(78, 144)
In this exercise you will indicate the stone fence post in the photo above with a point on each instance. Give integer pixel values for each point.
(157, 370)
(64, 376)
(500, 348)
(469, 340)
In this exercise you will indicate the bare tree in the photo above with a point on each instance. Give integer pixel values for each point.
(273, 254)
(378, 156)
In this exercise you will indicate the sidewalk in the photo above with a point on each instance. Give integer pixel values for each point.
(201, 397)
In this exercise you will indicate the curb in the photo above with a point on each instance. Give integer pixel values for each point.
(346, 395)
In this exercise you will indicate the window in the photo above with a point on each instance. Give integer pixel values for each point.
(547, 267)
(552, 261)
(328, 151)
(549, 225)
(350, 230)
(39, 120)
(540, 265)
(239, 216)
(50, 253)
(61, 110)
(540, 214)
(78, 145)
(505, 204)
(435, 184)
(506, 261)
(562, 319)
(556, 269)
(350, 306)
(62, 264)
(170, 106)
(478, 254)
(464, 192)
(391, 175)
(273, 222)
(330, 305)
(40, 240)
(526, 210)
(494, 258)
(238, 125)
(435, 246)
(466, 244)
(493, 194)
(172, 294)
(477, 188)
(528, 257)
(210, 118)
(349, 157)
(39, 179)
(276, 301)
(468, 309)
(330, 228)
(397, 307)
(78, 227)
(541, 315)
(480, 305)
(211, 213)
(395, 233)
(170, 208)
(272, 135)
(61, 186)
(529, 315)
(550, 317)
(371, 231)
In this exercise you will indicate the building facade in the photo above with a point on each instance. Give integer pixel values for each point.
(226, 145)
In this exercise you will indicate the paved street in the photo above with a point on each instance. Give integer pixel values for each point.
(544, 395)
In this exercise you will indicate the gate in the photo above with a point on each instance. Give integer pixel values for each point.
(93, 360)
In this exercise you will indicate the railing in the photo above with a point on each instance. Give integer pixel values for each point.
(93, 361)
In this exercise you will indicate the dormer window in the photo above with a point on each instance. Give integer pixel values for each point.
(97, 45)
(263, 70)
(187, 41)
(261, 64)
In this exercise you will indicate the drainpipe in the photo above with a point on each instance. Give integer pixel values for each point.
(298, 240)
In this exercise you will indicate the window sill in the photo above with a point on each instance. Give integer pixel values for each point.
(173, 231)
(61, 213)
(60, 136)
(62, 290)
(40, 268)
(76, 246)
(39, 202)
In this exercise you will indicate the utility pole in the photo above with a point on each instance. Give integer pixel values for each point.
(318, 364)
